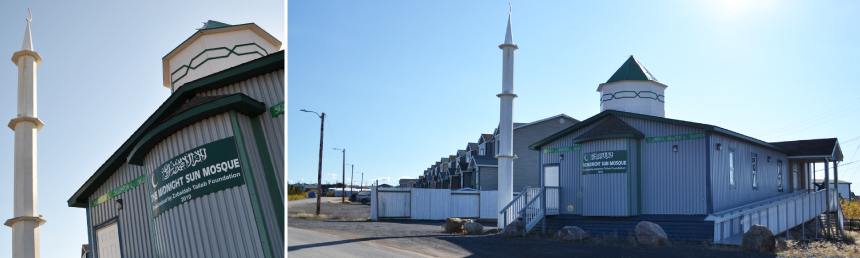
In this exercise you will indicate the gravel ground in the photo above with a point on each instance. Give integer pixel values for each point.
(426, 237)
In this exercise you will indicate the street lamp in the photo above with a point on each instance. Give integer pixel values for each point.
(351, 178)
(319, 172)
(343, 175)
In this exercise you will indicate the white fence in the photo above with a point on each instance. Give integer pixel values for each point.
(431, 204)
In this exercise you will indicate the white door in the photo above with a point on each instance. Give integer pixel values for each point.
(108, 241)
(550, 176)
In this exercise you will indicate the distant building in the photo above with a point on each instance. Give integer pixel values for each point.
(408, 183)
(844, 188)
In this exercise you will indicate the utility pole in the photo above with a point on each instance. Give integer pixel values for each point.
(362, 181)
(319, 171)
(343, 193)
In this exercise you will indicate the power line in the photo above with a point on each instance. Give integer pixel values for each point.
(331, 134)
(817, 124)
(814, 119)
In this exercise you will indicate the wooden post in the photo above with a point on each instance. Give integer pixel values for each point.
(319, 172)
(827, 194)
(808, 179)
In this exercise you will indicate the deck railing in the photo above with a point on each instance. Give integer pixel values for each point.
(777, 215)
(516, 204)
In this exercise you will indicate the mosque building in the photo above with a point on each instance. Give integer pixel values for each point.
(203, 175)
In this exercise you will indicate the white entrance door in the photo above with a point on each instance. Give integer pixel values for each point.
(550, 176)
(108, 241)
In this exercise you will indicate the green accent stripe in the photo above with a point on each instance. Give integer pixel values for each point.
(639, 175)
(629, 185)
(149, 192)
(608, 136)
(252, 189)
(271, 178)
(677, 137)
(229, 51)
(119, 190)
(565, 149)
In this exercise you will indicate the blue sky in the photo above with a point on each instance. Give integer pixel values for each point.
(100, 79)
(404, 83)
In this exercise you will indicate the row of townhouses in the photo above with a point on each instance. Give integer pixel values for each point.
(477, 168)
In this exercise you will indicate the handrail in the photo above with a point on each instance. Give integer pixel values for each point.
(530, 202)
(762, 202)
(722, 218)
(513, 201)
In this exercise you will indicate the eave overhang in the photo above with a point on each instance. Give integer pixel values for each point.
(705, 127)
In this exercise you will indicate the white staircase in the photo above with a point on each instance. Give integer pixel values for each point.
(532, 205)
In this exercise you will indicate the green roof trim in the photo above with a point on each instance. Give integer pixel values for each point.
(631, 70)
(202, 29)
(238, 102)
(607, 136)
(214, 25)
(217, 80)
(706, 127)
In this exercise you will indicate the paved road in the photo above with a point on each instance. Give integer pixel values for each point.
(306, 243)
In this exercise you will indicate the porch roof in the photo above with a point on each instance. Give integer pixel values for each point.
(812, 149)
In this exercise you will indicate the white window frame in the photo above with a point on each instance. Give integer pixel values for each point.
(732, 184)
(779, 175)
(754, 167)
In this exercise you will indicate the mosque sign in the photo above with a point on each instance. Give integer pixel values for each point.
(603, 162)
(203, 170)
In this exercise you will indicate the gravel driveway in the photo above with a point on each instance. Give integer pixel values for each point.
(426, 237)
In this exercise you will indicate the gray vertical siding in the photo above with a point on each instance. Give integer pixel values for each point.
(605, 194)
(266, 202)
(489, 177)
(569, 171)
(526, 165)
(672, 182)
(226, 215)
(634, 176)
(268, 89)
(134, 218)
(727, 198)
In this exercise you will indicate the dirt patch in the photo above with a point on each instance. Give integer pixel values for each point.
(335, 211)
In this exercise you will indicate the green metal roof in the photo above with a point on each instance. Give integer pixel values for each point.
(214, 24)
(631, 70)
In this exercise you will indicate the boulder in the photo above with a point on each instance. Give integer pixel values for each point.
(515, 229)
(650, 234)
(572, 233)
(454, 225)
(759, 239)
(473, 228)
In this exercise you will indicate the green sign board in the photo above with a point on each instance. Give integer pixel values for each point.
(203, 170)
(603, 162)
(572, 148)
(119, 190)
(679, 137)
(277, 109)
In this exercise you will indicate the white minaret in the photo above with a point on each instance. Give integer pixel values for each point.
(506, 125)
(26, 221)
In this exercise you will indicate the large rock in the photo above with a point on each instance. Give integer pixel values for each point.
(454, 225)
(572, 233)
(650, 234)
(515, 229)
(759, 239)
(473, 228)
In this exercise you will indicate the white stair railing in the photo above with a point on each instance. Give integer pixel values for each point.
(531, 205)
(778, 216)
